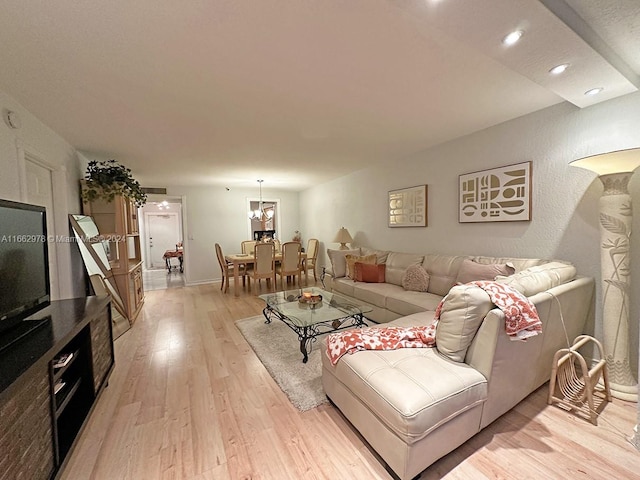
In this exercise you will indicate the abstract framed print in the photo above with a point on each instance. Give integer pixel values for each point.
(497, 195)
(408, 207)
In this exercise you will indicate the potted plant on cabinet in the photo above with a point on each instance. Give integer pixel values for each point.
(105, 180)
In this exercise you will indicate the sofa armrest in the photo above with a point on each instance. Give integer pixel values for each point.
(326, 278)
(514, 369)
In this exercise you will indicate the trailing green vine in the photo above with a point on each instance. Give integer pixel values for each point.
(106, 179)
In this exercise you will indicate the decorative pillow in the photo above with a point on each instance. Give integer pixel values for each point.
(369, 273)
(352, 259)
(471, 271)
(338, 262)
(415, 278)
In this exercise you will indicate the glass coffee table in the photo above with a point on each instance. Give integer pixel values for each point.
(311, 312)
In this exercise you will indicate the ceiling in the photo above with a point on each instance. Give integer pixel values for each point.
(298, 92)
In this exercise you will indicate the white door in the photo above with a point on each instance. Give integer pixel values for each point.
(163, 232)
(40, 192)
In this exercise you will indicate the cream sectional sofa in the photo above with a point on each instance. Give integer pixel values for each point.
(415, 405)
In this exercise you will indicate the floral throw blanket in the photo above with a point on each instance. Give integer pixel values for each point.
(520, 315)
(373, 338)
(521, 322)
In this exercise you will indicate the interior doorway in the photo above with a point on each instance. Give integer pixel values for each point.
(39, 191)
(163, 234)
(161, 231)
(265, 219)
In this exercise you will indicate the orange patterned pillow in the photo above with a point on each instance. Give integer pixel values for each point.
(370, 273)
(352, 259)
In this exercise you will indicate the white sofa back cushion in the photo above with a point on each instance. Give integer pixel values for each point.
(518, 263)
(540, 278)
(442, 270)
(471, 271)
(462, 313)
(338, 262)
(397, 263)
(380, 254)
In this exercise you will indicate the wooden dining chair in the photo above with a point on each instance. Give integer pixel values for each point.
(312, 257)
(227, 270)
(291, 263)
(264, 265)
(247, 246)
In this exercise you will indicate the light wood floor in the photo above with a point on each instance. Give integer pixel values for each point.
(188, 399)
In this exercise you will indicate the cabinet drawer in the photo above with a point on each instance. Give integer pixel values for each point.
(138, 288)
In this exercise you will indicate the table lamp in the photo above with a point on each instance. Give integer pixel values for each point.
(343, 237)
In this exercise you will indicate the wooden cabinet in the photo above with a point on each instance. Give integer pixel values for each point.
(49, 381)
(117, 222)
(25, 426)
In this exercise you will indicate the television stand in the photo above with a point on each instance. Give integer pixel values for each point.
(21, 330)
(50, 379)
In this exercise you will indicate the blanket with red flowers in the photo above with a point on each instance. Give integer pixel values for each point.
(521, 322)
(374, 338)
(520, 315)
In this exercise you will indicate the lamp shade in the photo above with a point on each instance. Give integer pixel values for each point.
(620, 161)
(343, 236)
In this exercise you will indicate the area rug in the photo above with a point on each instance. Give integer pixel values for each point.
(278, 349)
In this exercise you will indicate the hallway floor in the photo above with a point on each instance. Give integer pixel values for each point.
(159, 279)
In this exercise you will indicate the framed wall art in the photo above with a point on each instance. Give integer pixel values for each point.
(408, 207)
(498, 195)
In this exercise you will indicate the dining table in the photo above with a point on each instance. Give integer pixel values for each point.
(238, 259)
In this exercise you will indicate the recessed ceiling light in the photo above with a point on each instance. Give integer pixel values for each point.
(558, 69)
(512, 38)
(594, 91)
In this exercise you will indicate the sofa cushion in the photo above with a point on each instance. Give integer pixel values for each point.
(518, 263)
(397, 263)
(463, 310)
(343, 286)
(381, 254)
(369, 273)
(442, 270)
(415, 278)
(374, 293)
(471, 271)
(540, 278)
(338, 262)
(412, 390)
(406, 302)
(351, 260)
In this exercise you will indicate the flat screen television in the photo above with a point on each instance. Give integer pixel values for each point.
(24, 262)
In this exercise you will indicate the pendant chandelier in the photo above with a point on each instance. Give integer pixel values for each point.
(261, 214)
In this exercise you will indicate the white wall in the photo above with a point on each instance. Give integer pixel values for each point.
(564, 221)
(38, 139)
(215, 215)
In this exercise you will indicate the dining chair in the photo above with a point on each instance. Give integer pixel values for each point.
(264, 265)
(291, 263)
(247, 246)
(312, 257)
(278, 245)
(227, 270)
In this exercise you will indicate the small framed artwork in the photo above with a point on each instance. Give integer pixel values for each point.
(408, 207)
(498, 195)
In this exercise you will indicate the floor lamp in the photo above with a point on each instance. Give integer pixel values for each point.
(615, 170)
